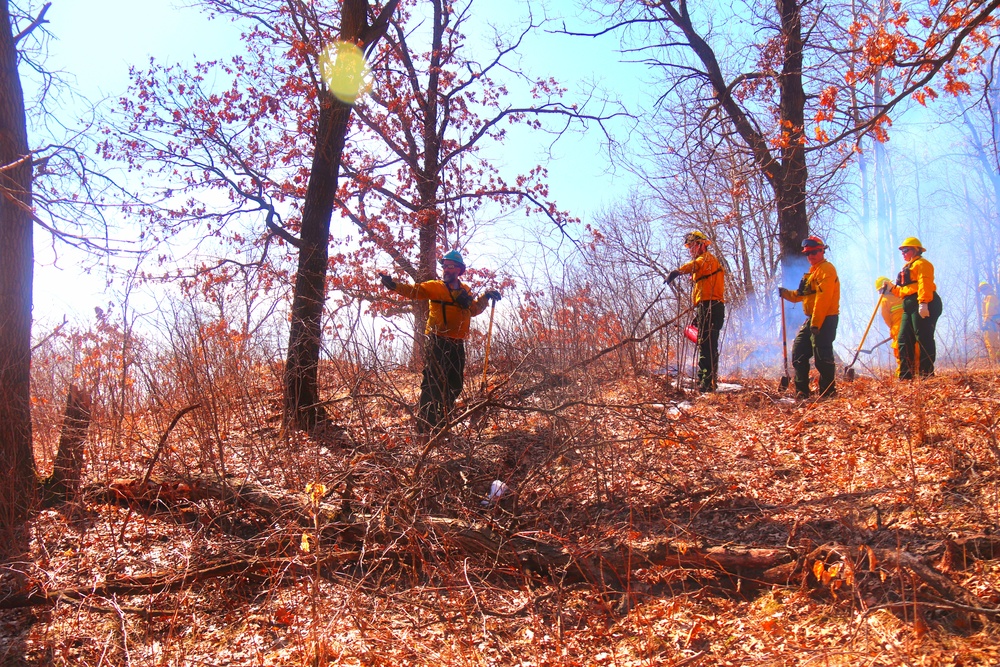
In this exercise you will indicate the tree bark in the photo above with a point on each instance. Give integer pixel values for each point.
(67, 471)
(302, 407)
(786, 172)
(790, 188)
(17, 466)
(429, 180)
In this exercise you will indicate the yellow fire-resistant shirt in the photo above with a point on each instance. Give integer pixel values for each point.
(991, 313)
(708, 276)
(892, 313)
(821, 296)
(445, 316)
(917, 277)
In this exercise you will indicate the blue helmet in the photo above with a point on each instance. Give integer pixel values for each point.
(453, 256)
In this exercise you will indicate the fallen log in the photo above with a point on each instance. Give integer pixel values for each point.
(162, 582)
(602, 566)
(527, 551)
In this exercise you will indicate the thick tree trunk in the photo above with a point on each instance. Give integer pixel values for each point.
(787, 173)
(429, 179)
(302, 408)
(17, 466)
(301, 380)
(790, 188)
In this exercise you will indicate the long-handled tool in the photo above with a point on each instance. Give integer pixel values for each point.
(783, 385)
(876, 346)
(489, 338)
(682, 343)
(849, 371)
(681, 352)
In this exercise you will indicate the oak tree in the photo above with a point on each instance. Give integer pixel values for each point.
(439, 115)
(772, 80)
(17, 468)
(272, 142)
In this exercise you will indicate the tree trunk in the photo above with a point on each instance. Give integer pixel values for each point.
(427, 271)
(302, 408)
(429, 179)
(17, 466)
(67, 471)
(301, 378)
(787, 173)
(790, 188)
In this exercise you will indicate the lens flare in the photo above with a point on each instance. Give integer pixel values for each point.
(344, 70)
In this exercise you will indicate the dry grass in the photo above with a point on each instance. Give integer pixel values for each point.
(596, 461)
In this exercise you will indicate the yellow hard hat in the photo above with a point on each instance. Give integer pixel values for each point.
(985, 286)
(695, 237)
(912, 242)
(881, 280)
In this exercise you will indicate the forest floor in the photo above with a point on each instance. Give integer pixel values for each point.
(642, 527)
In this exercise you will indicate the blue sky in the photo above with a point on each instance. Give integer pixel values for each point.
(96, 41)
(93, 45)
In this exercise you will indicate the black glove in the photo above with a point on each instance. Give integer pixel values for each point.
(492, 294)
(464, 300)
(387, 282)
(814, 331)
(672, 276)
(804, 289)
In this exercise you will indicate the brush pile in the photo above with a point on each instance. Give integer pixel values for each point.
(638, 527)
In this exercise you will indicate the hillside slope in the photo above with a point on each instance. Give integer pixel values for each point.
(641, 527)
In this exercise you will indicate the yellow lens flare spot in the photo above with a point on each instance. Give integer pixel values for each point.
(344, 71)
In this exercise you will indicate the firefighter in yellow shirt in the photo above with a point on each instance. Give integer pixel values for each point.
(451, 307)
(921, 309)
(819, 292)
(892, 314)
(991, 321)
(708, 294)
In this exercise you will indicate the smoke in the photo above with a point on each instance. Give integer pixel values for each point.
(752, 341)
(859, 262)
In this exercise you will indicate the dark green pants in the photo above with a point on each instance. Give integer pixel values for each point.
(708, 318)
(444, 369)
(918, 331)
(819, 348)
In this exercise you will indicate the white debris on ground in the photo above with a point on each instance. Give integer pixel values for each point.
(497, 491)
